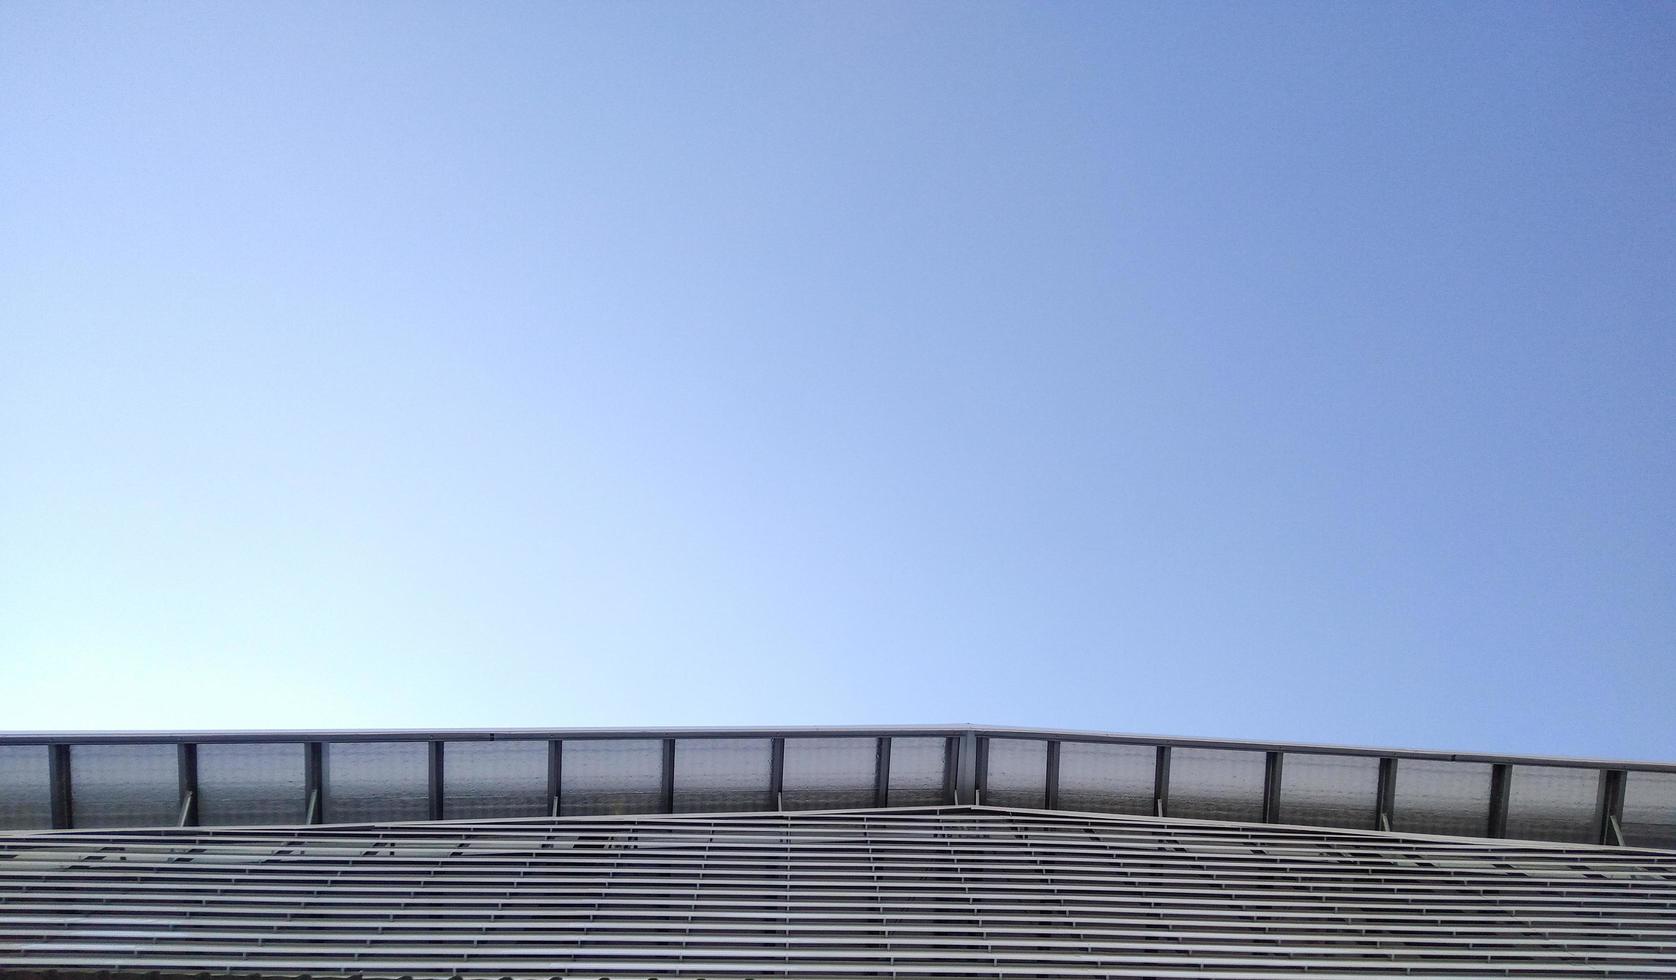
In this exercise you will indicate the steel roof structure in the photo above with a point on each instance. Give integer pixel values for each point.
(144, 779)
(934, 892)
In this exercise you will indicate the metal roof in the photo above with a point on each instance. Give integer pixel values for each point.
(135, 779)
(913, 892)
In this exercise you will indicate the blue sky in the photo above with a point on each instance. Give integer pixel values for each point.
(1277, 371)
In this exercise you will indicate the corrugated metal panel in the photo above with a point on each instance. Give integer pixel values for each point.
(941, 892)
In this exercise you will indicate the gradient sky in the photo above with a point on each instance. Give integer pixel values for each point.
(1287, 371)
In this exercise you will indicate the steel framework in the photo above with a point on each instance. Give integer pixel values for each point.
(64, 780)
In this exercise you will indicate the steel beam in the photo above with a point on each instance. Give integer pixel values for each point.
(966, 763)
(1614, 783)
(555, 772)
(1501, 785)
(314, 781)
(1161, 782)
(434, 786)
(881, 773)
(1052, 774)
(186, 769)
(951, 769)
(1385, 799)
(1272, 764)
(777, 772)
(666, 788)
(58, 780)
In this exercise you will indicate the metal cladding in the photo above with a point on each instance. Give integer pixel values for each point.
(932, 892)
(111, 780)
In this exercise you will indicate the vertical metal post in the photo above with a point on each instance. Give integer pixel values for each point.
(1053, 774)
(776, 771)
(1501, 783)
(1385, 799)
(980, 772)
(555, 772)
(1614, 784)
(667, 786)
(433, 782)
(314, 782)
(881, 773)
(951, 770)
(966, 759)
(186, 767)
(58, 778)
(1271, 786)
(1161, 783)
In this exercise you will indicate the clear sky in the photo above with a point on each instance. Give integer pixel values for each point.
(1291, 371)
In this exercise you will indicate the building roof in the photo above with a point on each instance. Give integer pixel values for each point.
(106, 779)
(963, 891)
